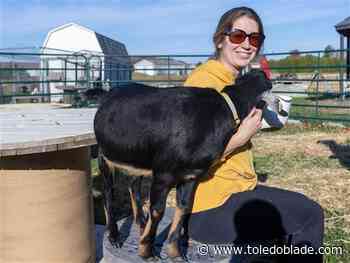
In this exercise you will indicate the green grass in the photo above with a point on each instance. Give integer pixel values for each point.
(306, 127)
(281, 163)
(97, 186)
(94, 167)
(335, 236)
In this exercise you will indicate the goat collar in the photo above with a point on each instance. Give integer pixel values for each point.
(232, 107)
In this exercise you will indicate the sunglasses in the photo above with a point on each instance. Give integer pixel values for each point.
(237, 36)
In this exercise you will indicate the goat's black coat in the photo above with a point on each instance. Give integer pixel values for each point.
(167, 129)
(172, 129)
(178, 133)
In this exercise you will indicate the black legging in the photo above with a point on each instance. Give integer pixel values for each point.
(264, 214)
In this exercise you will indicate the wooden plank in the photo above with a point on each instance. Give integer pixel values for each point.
(36, 149)
(26, 130)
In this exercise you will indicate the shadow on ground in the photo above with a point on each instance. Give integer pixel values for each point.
(341, 152)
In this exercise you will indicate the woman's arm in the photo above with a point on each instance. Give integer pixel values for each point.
(248, 128)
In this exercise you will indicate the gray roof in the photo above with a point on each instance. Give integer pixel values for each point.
(113, 49)
(343, 27)
(110, 46)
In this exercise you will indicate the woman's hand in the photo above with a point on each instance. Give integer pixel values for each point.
(250, 125)
(248, 128)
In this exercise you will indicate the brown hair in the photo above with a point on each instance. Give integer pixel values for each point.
(226, 21)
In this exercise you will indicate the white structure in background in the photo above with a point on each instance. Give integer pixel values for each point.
(159, 66)
(78, 57)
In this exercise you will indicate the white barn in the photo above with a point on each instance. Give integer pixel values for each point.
(74, 56)
(161, 66)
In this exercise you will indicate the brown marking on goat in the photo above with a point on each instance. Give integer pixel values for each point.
(132, 170)
(106, 214)
(157, 215)
(146, 230)
(145, 250)
(149, 232)
(173, 248)
(145, 247)
(133, 204)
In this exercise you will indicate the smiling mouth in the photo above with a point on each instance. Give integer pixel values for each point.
(244, 55)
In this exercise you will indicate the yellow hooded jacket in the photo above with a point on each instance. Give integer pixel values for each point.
(234, 174)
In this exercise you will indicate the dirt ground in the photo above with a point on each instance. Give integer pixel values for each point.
(329, 186)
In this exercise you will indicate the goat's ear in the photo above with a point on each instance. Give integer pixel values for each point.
(265, 82)
(254, 76)
(259, 73)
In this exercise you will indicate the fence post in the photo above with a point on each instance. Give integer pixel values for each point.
(318, 83)
(168, 70)
(341, 71)
(76, 71)
(65, 74)
(13, 78)
(46, 83)
(87, 71)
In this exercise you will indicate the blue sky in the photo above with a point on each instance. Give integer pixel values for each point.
(173, 26)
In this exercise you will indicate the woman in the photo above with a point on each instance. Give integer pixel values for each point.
(230, 207)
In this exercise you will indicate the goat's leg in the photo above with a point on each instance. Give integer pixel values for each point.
(160, 188)
(184, 197)
(136, 202)
(108, 201)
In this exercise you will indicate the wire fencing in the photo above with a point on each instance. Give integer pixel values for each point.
(318, 81)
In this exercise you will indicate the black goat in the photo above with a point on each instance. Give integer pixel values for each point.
(174, 134)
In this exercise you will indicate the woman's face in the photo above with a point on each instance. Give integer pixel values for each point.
(237, 56)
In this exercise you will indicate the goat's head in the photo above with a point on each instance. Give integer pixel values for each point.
(254, 90)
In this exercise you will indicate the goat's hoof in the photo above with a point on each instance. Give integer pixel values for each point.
(145, 251)
(173, 251)
(117, 245)
(142, 229)
(115, 242)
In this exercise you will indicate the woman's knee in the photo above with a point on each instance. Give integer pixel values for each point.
(314, 210)
(311, 230)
